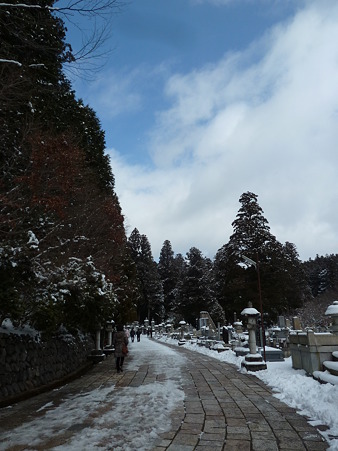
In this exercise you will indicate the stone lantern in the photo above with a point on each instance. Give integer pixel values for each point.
(97, 355)
(108, 349)
(253, 361)
(109, 330)
(332, 311)
(182, 326)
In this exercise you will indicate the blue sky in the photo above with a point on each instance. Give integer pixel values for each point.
(202, 100)
(153, 39)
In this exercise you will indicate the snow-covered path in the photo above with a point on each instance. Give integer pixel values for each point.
(98, 415)
(168, 398)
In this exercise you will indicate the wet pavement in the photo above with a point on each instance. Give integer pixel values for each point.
(222, 410)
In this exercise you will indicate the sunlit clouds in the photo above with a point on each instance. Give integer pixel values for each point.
(261, 120)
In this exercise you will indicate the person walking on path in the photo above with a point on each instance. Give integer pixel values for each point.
(132, 334)
(120, 340)
(138, 334)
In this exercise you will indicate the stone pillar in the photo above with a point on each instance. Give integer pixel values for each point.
(296, 323)
(252, 334)
(109, 329)
(98, 339)
(253, 361)
(281, 322)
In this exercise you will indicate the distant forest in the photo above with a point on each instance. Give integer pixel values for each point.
(65, 258)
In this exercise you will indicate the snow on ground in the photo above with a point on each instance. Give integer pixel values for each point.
(317, 401)
(102, 418)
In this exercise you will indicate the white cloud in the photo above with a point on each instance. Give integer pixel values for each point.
(267, 125)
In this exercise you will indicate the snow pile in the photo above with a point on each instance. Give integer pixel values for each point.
(314, 400)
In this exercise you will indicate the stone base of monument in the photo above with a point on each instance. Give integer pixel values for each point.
(273, 354)
(108, 350)
(96, 356)
(254, 362)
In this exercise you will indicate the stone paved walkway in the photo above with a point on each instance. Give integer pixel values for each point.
(223, 409)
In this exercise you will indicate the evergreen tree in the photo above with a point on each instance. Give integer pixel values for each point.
(60, 218)
(150, 301)
(179, 271)
(167, 269)
(251, 229)
(235, 285)
(283, 284)
(151, 283)
(33, 50)
(322, 273)
(196, 293)
(134, 242)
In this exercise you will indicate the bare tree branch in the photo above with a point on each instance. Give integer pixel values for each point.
(89, 56)
(79, 6)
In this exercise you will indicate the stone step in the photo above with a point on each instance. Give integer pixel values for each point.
(254, 362)
(325, 377)
(254, 358)
(335, 356)
(331, 367)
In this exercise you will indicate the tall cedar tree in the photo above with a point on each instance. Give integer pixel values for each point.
(283, 283)
(179, 271)
(150, 301)
(169, 276)
(196, 291)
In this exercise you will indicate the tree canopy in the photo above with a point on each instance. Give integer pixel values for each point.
(64, 257)
(283, 281)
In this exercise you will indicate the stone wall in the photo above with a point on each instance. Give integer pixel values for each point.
(309, 349)
(28, 364)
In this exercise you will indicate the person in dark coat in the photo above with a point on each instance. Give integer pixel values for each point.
(138, 334)
(132, 334)
(225, 335)
(119, 339)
